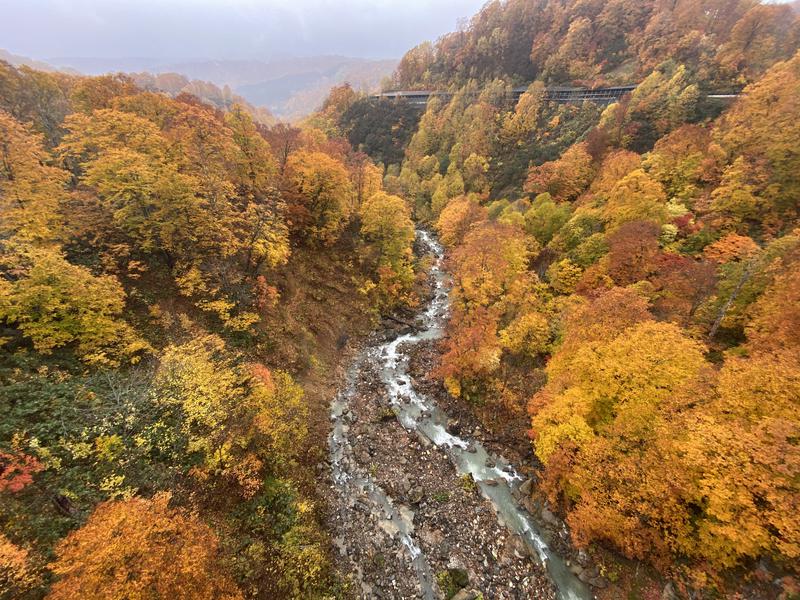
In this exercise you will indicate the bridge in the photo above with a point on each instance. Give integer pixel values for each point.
(604, 95)
(561, 94)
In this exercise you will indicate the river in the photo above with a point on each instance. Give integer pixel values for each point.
(358, 486)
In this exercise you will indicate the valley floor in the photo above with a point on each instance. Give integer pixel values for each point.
(418, 509)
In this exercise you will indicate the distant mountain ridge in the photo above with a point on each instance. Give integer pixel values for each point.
(23, 61)
(289, 87)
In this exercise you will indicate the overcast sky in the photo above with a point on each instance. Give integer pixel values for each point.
(224, 28)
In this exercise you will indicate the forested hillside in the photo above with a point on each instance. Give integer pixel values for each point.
(176, 286)
(596, 42)
(180, 284)
(625, 276)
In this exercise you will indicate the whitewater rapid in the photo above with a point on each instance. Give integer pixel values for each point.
(497, 480)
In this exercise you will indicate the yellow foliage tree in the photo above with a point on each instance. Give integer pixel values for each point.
(387, 229)
(457, 218)
(636, 197)
(318, 192)
(55, 303)
(30, 190)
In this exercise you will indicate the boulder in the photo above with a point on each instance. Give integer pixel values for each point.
(598, 582)
(575, 569)
(549, 518)
(668, 593)
(587, 575)
(453, 427)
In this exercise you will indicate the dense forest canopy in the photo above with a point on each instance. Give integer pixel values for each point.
(623, 274)
(178, 279)
(165, 263)
(596, 42)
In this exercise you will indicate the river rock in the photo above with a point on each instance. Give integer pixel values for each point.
(668, 593)
(527, 504)
(416, 495)
(453, 427)
(587, 575)
(526, 488)
(549, 518)
(598, 582)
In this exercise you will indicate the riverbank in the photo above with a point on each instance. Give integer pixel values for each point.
(415, 509)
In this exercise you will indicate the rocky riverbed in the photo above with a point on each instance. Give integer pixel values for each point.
(418, 507)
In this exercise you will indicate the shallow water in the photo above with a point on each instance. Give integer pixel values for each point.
(418, 413)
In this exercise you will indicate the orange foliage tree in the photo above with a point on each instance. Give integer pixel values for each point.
(141, 548)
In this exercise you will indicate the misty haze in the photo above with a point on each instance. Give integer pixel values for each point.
(284, 55)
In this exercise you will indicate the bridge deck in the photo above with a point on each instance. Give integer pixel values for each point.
(603, 95)
(558, 94)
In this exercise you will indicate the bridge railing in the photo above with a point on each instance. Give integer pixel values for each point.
(604, 95)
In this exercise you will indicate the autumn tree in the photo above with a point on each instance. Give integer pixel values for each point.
(759, 39)
(667, 98)
(633, 249)
(492, 286)
(240, 420)
(55, 303)
(198, 385)
(141, 548)
(681, 285)
(283, 140)
(529, 334)
(279, 417)
(545, 217)
(124, 159)
(603, 318)
(773, 320)
(318, 190)
(614, 167)
(762, 128)
(388, 231)
(17, 470)
(254, 165)
(94, 93)
(31, 191)
(741, 199)
(366, 179)
(472, 352)
(596, 428)
(565, 178)
(457, 218)
(17, 575)
(683, 162)
(636, 197)
(743, 455)
(491, 258)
